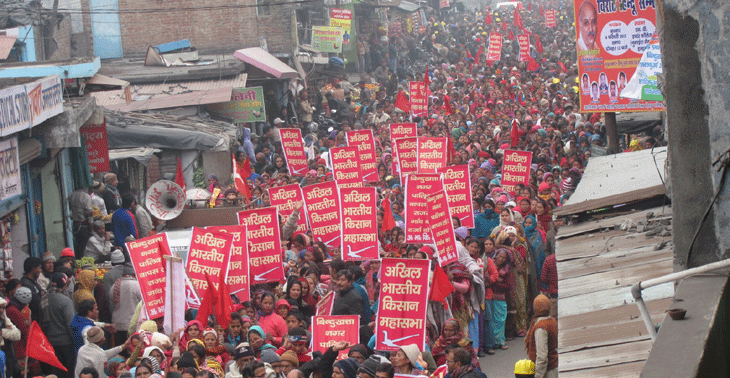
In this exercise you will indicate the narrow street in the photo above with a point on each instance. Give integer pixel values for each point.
(502, 364)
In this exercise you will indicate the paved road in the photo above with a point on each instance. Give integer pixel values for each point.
(502, 364)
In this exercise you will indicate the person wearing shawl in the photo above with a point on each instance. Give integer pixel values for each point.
(192, 331)
(451, 335)
(213, 350)
(508, 238)
(274, 325)
(486, 221)
(87, 283)
(460, 304)
(541, 342)
(405, 361)
(115, 366)
(257, 340)
(503, 287)
(157, 357)
(536, 240)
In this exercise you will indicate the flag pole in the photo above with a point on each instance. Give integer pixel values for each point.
(25, 373)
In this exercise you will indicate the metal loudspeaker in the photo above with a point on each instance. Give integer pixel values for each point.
(165, 200)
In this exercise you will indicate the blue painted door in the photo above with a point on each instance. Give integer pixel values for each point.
(106, 28)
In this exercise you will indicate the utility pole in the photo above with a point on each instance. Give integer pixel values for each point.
(609, 119)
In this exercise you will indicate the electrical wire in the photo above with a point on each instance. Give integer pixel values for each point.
(154, 10)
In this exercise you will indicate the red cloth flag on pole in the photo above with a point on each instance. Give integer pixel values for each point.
(517, 18)
(529, 7)
(208, 304)
(504, 26)
(239, 178)
(179, 178)
(510, 36)
(388, 220)
(562, 67)
(402, 103)
(488, 20)
(479, 54)
(450, 150)
(441, 287)
(426, 80)
(519, 6)
(447, 105)
(541, 10)
(224, 303)
(42, 350)
(538, 45)
(532, 65)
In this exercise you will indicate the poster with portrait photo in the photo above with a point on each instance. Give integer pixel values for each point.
(612, 92)
(595, 94)
(611, 38)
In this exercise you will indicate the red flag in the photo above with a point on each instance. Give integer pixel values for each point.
(426, 80)
(538, 45)
(529, 7)
(208, 303)
(504, 26)
(42, 350)
(541, 10)
(510, 36)
(479, 54)
(518, 18)
(402, 103)
(562, 67)
(179, 178)
(441, 287)
(447, 105)
(532, 65)
(515, 133)
(450, 149)
(440, 372)
(388, 220)
(224, 303)
(519, 6)
(239, 177)
(488, 20)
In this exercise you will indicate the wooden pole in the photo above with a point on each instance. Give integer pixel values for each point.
(611, 132)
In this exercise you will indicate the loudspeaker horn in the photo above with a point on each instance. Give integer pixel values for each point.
(165, 200)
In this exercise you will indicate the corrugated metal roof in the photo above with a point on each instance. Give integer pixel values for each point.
(6, 44)
(212, 96)
(600, 331)
(617, 179)
(157, 91)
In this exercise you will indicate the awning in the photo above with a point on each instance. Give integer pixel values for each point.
(141, 154)
(409, 7)
(264, 61)
(6, 44)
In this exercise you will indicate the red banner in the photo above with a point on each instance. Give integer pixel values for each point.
(293, 147)
(323, 210)
(209, 254)
(327, 330)
(418, 186)
(264, 244)
(359, 224)
(515, 169)
(419, 98)
(324, 306)
(406, 155)
(397, 131)
(494, 51)
(345, 165)
(402, 306)
(442, 230)
(611, 40)
(238, 275)
(97, 146)
(431, 154)
(550, 18)
(458, 192)
(146, 255)
(284, 198)
(365, 141)
(524, 41)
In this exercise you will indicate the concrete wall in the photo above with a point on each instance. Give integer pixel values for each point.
(210, 31)
(695, 50)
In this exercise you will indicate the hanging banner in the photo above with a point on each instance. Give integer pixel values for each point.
(431, 154)
(10, 173)
(611, 39)
(238, 273)
(524, 41)
(27, 105)
(327, 39)
(328, 330)
(444, 4)
(246, 105)
(342, 18)
(400, 130)
(365, 141)
(264, 244)
(359, 224)
(550, 18)
(643, 85)
(442, 230)
(418, 187)
(515, 169)
(209, 255)
(401, 318)
(293, 147)
(458, 191)
(419, 98)
(149, 266)
(97, 146)
(406, 155)
(324, 306)
(494, 50)
(323, 211)
(285, 198)
(345, 166)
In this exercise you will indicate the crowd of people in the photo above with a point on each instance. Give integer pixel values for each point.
(505, 279)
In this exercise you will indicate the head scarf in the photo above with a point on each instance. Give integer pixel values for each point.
(541, 306)
(87, 282)
(111, 365)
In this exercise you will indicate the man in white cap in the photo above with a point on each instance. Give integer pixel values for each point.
(92, 355)
(98, 246)
(112, 275)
